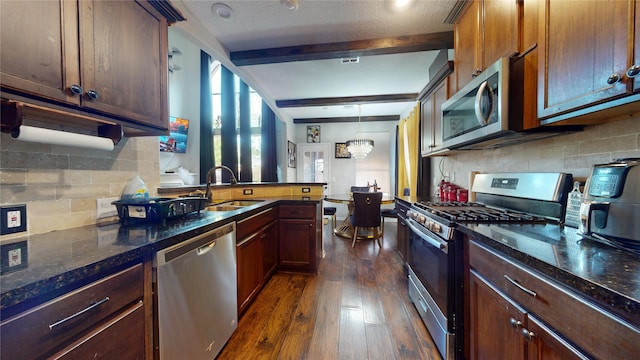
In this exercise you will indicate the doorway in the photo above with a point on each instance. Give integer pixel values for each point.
(314, 164)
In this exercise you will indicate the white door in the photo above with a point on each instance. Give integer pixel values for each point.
(314, 164)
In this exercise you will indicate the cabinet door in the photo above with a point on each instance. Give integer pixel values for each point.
(269, 239)
(636, 37)
(249, 269)
(466, 44)
(124, 61)
(500, 30)
(40, 48)
(403, 237)
(297, 242)
(427, 125)
(545, 344)
(580, 47)
(495, 323)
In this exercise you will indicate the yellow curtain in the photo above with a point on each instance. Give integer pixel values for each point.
(408, 137)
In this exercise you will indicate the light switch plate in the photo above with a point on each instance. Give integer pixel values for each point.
(13, 219)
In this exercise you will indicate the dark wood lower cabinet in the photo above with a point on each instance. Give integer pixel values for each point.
(105, 318)
(300, 238)
(500, 329)
(517, 313)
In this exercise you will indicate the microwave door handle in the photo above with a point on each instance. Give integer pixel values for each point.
(484, 120)
(442, 245)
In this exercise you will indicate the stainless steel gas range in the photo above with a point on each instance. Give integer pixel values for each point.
(435, 255)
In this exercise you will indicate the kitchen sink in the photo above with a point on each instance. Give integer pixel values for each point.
(232, 205)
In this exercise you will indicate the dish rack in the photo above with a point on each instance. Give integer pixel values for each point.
(158, 209)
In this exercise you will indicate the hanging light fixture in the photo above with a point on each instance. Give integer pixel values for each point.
(359, 147)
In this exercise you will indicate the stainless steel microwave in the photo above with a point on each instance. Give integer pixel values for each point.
(488, 111)
(479, 110)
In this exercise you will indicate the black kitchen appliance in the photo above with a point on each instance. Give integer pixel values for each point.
(435, 258)
(610, 208)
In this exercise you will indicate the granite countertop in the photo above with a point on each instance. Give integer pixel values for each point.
(60, 259)
(607, 275)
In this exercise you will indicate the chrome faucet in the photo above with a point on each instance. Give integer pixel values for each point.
(212, 174)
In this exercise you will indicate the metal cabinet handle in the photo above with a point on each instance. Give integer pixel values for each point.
(529, 292)
(527, 334)
(477, 72)
(515, 323)
(88, 308)
(614, 78)
(633, 71)
(75, 89)
(92, 94)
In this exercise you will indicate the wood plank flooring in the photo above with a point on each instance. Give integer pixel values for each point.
(357, 307)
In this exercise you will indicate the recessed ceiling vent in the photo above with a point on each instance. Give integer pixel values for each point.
(351, 60)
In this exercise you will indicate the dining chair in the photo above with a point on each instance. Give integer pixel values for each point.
(366, 214)
(359, 188)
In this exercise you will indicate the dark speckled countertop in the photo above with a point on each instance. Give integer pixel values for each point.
(60, 260)
(606, 275)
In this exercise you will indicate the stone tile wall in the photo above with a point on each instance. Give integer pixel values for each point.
(573, 153)
(60, 184)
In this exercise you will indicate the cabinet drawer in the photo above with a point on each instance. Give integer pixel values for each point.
(43, 329)
(120, 338)
(592, 328)
(297, 211)
(251, 224)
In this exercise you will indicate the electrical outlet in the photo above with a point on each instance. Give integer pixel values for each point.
(13, 256)
(104, 208)
(13, 219)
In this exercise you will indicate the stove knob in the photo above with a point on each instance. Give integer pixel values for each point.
(436, 227)
(422, 219)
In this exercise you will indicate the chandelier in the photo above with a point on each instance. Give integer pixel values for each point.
(359, 147)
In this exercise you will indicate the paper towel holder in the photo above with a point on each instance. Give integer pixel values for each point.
(14, 112)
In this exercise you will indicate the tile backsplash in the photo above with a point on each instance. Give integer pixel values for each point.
(572, 153)
(60, 184)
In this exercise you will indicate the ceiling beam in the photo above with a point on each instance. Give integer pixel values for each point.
(346, 119)
(384, 46)
(346, 100)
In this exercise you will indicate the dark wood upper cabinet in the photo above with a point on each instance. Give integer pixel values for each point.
(583, 54)
(485, 32)
(106, 58)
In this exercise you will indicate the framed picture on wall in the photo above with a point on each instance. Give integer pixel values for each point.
(291, 154)
(313, 133)
(342, 152)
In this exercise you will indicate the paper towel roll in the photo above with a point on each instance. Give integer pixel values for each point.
(56, 137)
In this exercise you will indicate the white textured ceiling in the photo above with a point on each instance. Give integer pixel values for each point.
(267, 24)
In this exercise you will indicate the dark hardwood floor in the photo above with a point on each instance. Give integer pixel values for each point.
(357, 307)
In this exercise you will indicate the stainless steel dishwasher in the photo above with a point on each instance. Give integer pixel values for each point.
(196, 295)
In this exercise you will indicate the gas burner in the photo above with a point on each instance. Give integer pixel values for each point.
(476, 212)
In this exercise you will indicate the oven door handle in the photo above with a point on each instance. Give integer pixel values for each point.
(422, 233)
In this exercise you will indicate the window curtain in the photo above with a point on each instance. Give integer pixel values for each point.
(408, 137)
(245, 174)
(268, 153)
(229, 148)
(207, 158)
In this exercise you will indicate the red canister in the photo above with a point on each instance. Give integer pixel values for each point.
(451, 192)
(462, 195)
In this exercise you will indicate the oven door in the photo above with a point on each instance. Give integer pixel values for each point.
(429, 259)
(432, 279)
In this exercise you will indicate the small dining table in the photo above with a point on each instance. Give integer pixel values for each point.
(345, 229)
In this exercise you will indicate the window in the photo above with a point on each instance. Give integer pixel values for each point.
(255, 109)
